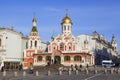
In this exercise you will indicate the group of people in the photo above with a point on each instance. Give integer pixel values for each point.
(76, 66)
(52, 62)
(20, 67)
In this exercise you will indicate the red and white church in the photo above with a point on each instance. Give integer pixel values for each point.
(62, 49)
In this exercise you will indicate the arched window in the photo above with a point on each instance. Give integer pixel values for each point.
(54, 46)
(64, 27)
(67, 58)
(48, 58)
(77, 58)
(69, 46)
(62, 46)
(39, 58)
(68, 27)
(0, 42)
(31, 43)
(35, 43)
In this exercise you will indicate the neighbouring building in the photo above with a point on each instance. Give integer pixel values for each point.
(104, 50)
(10, 48)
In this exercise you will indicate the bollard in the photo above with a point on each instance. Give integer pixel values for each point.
(105, 71)
(118, 71)
(115, 70)
(48, 73)
(24, 73)
(95, 71)
(60, 72)
(4, 73)
(87, 72)
(80, 70)
(70, 69)
(69, 72)
(76, 72)
(15, 74)
(37, 74)
(111, 71)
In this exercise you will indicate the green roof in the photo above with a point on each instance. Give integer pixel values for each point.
(34, 29)
(86, 41)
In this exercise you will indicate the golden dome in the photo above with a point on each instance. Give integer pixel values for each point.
(66, 20)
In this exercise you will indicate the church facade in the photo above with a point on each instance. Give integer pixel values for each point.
(67, 49)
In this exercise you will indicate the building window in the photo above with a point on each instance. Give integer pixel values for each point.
(67, 58)
(48, 58)
(68, 28)
(26, 45)
(31, 43)
(39, 58)
(77, 58)
(64, 27)
(0, 42)
(61, 46)
(53, 46)
(35, 43)
(69, 47)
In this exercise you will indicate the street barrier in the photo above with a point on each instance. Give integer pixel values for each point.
(69, 72)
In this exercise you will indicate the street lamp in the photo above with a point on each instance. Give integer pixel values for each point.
(85, 58)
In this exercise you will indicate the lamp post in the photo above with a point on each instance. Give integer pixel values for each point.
(2, 55)
(85, 58)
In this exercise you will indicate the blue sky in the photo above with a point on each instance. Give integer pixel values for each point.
(87, 16)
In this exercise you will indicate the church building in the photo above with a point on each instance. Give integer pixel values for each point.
(62, 49)
(67, 49)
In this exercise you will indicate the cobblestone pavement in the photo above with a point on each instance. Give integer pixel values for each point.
(82, 75)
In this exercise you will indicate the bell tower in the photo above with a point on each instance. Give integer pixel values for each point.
(33, 46)
(34, 39)
(66, 25)
(114, 44)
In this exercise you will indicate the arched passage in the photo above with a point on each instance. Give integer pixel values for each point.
(57, 59)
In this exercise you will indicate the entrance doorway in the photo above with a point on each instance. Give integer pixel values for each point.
(57, 60)
(11, 65)
(31, 65)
